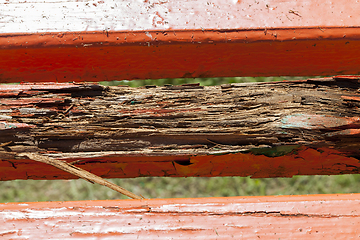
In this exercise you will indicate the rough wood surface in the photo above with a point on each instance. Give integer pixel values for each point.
(280, 217)
(82, 40)
(252, 129)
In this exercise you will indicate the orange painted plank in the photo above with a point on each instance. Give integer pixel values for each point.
(300, 161)
(303, 141)
(83, 41)
(272, 217)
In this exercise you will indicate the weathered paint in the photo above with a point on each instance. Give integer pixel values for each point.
(6, 125)
(271, 217)
(346, 132)
(276, 129)
(81, 15)
(44, 86)
(307, 121)
(352, 98)
(249, 53)
(112, 40)
(299, 161)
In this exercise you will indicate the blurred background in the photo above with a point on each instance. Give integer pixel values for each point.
(156, 187)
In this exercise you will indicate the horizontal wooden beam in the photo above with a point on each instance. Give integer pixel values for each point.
(277, 129)
(97, 41)
(79, 15)
(279, 217)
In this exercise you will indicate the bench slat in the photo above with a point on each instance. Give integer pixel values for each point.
(112, 40)
(284, 217)
(277, 129)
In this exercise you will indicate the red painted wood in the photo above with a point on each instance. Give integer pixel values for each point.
(337, 153)
(169, 39)
(181, 54)
(273, 217)
(188, 39)
(300, 161)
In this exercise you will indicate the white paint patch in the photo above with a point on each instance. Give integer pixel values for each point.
(130, 230)
(51, 213)
(8, 232)
(149, 35)
(223, 208)
(78, 15)
(17, 16)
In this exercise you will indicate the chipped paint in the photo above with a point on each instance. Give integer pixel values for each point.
(111, 15)
(34, 214)
(305, 161)
(346, 132)
(182, 131)
(249, 217)
(82, 40)
(309, 121)
(7, 125)
(352, 98)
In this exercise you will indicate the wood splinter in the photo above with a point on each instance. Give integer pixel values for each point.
(80, 173)
(5, 144)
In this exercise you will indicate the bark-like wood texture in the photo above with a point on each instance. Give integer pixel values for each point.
(280, 217)
(277, 129)
(72, 40)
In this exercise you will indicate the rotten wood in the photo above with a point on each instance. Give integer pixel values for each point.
(111, 40)
(277, 129)
(279, 217)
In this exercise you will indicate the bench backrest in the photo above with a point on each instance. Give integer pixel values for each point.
(258, 130)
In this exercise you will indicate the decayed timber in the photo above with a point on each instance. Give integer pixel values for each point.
(281, 217)
(251, 129)
(110, 40)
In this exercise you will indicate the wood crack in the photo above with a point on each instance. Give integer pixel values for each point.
(82, 121)
(105, 115)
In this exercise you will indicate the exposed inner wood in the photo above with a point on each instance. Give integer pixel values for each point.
(83, 121)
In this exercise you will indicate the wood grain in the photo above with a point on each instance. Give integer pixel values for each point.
(284, 217)
(252, 129)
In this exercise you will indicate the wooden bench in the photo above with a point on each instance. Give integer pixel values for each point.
(276, 129)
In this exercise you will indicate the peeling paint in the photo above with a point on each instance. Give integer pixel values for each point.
(112, 15)
(308, 121)
(78, 41)
(7, 125)
(257, 130)
(255, 217)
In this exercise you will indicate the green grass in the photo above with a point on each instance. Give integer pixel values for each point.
(155, 187)
(202, 81)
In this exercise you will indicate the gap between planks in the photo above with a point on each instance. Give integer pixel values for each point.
(80, 173)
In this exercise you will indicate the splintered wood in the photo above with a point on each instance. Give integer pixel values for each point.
(251, 129)
(79, 173)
